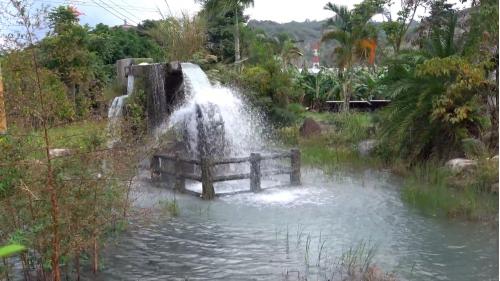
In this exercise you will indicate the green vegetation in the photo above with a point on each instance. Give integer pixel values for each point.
(439, 192)
(170, 207)
(9, 250)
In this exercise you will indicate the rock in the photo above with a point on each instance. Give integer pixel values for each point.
(494, 188)
(59, 152)
(366, 147)
(309, 128)
(459, 165)
(211, 58)
(493, 159)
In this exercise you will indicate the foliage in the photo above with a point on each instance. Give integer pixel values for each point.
(220, 32)
(135, 112)
(180, 38)
(367, 84)
(396, 30)
(113, 43)
(435, 105)
(318, 88)
(218, 7)
(20, 86)
(9, 250)
(351, 29)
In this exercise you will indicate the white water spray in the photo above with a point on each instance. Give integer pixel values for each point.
(228, 121)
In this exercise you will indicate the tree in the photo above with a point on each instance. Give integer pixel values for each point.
(220, 30)
(355, 37)
(180, 38)
(436, 103)
(223, 6)
(396, 30)
(76, 68)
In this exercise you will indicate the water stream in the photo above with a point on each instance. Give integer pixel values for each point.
(263, 236)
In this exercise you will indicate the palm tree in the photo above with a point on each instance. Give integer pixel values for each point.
(289, 53)
(355, 37)
(224, 6)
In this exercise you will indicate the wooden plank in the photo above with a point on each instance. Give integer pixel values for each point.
(276, 156)
(172, 158)
(276, 172)
(231, 160)
(231, 177)
(193, 177)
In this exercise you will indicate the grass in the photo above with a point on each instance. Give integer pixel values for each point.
(438, 192)
(355, 263)
(74, 136)
(170, 207)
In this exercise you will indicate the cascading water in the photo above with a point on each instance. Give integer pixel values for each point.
(115, 111)
(158, 97)
(218, 114)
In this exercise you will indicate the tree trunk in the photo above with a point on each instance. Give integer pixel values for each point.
(237, 56)
(3, 115)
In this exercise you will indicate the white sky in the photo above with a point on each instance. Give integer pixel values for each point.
(275, 10)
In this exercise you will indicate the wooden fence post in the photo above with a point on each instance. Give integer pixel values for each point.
(180, 181)
(255, 173)
(295, 163)
(155, 168)
(208, 191)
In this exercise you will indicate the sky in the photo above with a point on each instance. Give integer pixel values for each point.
(113, 12)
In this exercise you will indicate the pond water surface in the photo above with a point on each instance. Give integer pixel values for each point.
(290, 233)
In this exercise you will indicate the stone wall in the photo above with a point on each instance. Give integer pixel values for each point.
(122, 69)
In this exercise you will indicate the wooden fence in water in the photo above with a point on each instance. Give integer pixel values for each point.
(207, 166)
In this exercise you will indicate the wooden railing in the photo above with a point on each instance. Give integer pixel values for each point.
(207, 177)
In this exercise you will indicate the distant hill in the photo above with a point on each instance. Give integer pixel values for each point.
(309, 31)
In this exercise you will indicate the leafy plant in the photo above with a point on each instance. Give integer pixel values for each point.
(12, 249)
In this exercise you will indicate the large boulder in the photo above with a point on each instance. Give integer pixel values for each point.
(366, 147)
(309, 128)
(459, 165)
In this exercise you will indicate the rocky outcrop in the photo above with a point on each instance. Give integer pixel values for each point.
(309, 128)
(459, 165)
(366, 147)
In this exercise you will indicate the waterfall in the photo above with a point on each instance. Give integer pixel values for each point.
(159, 107)
(115, 111)
(116, 108)
(217, 114)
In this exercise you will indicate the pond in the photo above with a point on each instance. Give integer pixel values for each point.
(298, 233)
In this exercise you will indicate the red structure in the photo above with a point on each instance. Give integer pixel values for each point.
(315, 58)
